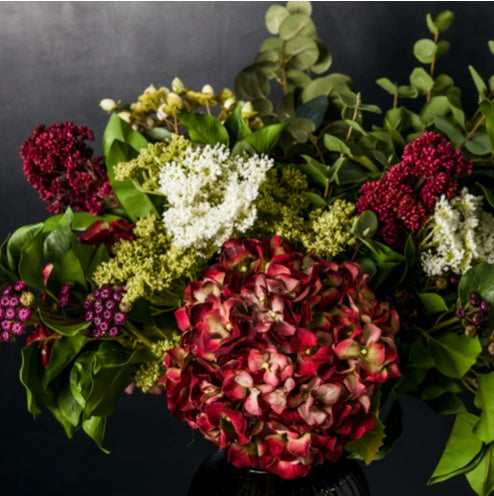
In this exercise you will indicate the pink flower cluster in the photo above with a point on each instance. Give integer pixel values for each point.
(61, 166)
(406, 194)
(280, 355)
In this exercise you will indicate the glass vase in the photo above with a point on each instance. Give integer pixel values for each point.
(216, 477)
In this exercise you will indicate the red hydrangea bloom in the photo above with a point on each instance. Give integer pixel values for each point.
(108, 233)
(61, 166)
(406, 194)
(280, 356)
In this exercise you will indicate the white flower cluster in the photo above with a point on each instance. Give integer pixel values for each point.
(211, 195)
(458, 234)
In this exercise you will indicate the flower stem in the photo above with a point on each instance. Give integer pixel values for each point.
(138, 334)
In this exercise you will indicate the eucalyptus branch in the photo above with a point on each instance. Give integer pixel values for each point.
(433, 64)
(313, 139)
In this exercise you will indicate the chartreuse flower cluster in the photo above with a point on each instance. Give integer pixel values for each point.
(150, 266)
(458, 235)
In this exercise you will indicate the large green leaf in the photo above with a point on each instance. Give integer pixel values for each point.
(264, 139)
(455, 354)
(95, 427)
(481, 477)
(204, 128)
(60, 239)
(461, 452)
(313, 110)
(433, 303)
(236, 126)
(31, 262)
(119, 130)
(484, 400)
(17, 241)
(479, 279)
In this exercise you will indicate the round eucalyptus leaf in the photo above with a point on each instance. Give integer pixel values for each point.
(299, 7)
(439, 105)
(424, 50)
(325, 59)
(430, 24)
(262, 105)
(275, 15)
(268, 56)
(297, 79)
(300, 128)
(443, 20)
(303, 51)
(442, 47)
(365, 225)
(479, 144)
(387, 85)
(421, 80)
(442, 83)
(317, 87)
(406, 91)
(297, 25)
(490, 44)
(271, 44)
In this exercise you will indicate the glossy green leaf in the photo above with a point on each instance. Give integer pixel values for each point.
(421, 80)
(18, 239)
(31, 368)
(60, 240)
(275, 15)
(442, 48)
(302, 51)
(479, 144)
(62, 323)
(433, 303)
(424, 50)
(265, 138)
(313, 169)
(63, 352)
(68, 269)
(447, 404)
(204, 128)
(481, 476)
(297, 25)
(487, 109)
(31, 262)
(316, 200)
(68, 406)
(236, 126)
(461, 451)
(95, 427)
(365, 225)
(455, 354)
(479, 279)
(484, 429)
(393, 427)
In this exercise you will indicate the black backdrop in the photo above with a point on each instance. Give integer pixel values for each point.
(57, 60)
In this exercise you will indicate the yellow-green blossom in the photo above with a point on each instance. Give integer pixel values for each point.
(144, 170)
(150, 267)
(150, 372)
(329, 232)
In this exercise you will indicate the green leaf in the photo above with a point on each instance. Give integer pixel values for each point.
(443, 20)
(484, 429)
(299, 7)
(369, 444)
(119, 130)
(424, 50)
(314, 110)
(316, 200)
(365, 225)
(490, 44)
(324, 60)
(30, 368)
(447, 404)
(453, 132)
(297, 25)
(487, 109)
(455, 354)
(421, 80)
(95, 427)
(136, 203)
(302, 52)
(316, 88)
(387, 85)
(15, 243)
(236, 126)
(62, 324)
(63, 352)
(430, 24)
(479, 144)
(479, 279)
(436, 385)
(393, 427)
(275, 15)
(68, 269)
(481, 476)
(433, 303)
(314, 170)
(461, 451)
(489, 195)
(60, 240)
(300, 129)
(31, 262)
(479, 84)
(68, 406)
(204, 128)
(334, 144)
(439, 105)
(265, 138)
(442, 48)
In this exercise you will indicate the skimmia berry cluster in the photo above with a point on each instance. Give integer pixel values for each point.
(407, 193)
(104, 311)
(61, 166)
(14, 310)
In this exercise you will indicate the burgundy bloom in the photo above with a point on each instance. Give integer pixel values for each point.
(45, 338)
(61, 166)
(108, 233)
(406, 194)
(280, 356)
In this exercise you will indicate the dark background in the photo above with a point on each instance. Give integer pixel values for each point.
(57, 61)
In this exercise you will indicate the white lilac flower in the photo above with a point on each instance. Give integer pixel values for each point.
(211, 195)
(457, 235)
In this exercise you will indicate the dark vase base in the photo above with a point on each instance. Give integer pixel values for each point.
(216, 477)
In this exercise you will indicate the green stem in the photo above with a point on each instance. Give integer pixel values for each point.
(472, 131)
(433, 64)
(138, 334)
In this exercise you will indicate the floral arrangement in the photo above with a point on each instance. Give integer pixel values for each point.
(277, 267)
